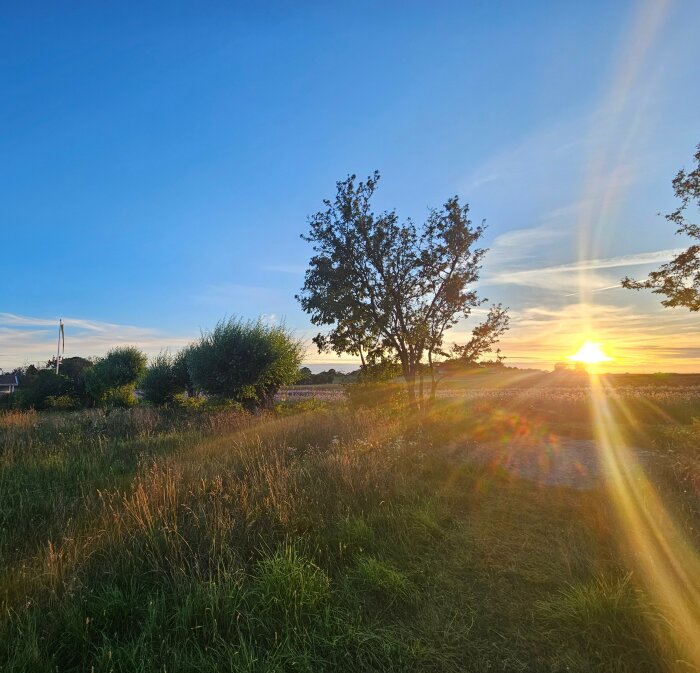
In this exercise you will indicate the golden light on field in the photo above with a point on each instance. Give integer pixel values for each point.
(590, 353)
(666, 562)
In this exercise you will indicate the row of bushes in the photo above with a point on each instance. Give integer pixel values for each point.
(240, 361)
(108, 381)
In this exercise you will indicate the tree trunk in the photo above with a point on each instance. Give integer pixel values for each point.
(433, 378)
(410, 378)
(433, 389)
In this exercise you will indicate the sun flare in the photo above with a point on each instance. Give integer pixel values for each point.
(590, 353)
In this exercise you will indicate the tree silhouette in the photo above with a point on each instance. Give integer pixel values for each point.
(679, 279)
(390, 289)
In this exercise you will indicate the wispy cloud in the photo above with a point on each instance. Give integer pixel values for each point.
(569, 276)
(635, 339)
(521, 246)
(30, 339)
(480, 181)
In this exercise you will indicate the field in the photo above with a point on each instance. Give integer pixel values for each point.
(328, 536)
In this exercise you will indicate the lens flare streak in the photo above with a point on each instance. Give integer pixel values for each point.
(667, 565)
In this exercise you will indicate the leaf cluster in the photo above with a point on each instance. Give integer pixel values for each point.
(679, 279)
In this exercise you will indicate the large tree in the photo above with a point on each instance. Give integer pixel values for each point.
(679, 279)
(391, 289)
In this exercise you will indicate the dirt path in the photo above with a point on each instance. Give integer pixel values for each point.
(553, 462)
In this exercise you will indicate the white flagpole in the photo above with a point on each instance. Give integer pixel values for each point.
(58, 349)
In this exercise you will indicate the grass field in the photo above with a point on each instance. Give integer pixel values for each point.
(332, 538)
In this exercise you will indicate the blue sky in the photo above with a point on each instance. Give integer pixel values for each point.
(160, 160)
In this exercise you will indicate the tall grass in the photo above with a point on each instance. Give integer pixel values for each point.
(334, 539)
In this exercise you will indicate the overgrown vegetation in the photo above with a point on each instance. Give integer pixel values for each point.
(245, 361)
(240, 362)
(327, 539)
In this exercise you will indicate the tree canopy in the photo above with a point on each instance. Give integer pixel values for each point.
(160, 383)
(113, 378)
(679, 279)
(391, 289)
(244, 361)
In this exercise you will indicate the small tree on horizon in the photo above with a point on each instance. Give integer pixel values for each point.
(679, 279)
(391, 290)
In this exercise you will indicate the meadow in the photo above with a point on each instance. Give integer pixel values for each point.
(329, 536)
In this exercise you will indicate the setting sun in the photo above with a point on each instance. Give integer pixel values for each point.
(590, 353)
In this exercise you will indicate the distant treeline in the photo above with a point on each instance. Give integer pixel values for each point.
(308, 378)
(385, 371)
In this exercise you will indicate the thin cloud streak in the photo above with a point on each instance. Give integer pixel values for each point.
(637, 342)
(543, 278)
(29, 339)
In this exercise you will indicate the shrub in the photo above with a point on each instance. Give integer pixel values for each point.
(117, 371)
(37, 389)
(63, 402)
(76, 370)
(244, 361)
(160, 383)
(181, 372)
(120, 397)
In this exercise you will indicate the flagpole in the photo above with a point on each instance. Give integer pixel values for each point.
(58, 349)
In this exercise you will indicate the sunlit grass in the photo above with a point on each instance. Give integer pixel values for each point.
(332, 539)
(664, 555)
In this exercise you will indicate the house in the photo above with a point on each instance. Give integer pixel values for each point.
(8, 383)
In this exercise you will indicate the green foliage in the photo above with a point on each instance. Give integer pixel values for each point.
(180, 371)
(245, 361)
(76, 370)
(38, 389)
(380, 371)
(679, 280)
(609, 621)
(391, 289)
(119, 397)
(44, 389)
(63, 403)
(161, 381)
(290, 588)
(290, 408)
(112, 379)
(190, 403)
(308, 378)
(381, 581)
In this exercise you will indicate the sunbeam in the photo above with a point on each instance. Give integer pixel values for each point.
(668, 566)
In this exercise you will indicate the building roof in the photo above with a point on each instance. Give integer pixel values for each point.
(8, 380)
